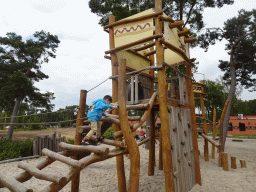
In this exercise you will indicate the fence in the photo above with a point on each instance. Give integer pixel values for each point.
(49, 142)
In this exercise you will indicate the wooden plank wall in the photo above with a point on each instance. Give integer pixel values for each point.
(182, 148)
(49, 142)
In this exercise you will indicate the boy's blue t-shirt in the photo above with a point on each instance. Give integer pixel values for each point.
(100, 105)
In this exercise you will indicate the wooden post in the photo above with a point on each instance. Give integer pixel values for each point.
(151, 162)
(193, 122)
(233, 162)
(132, 146)
(152, 158)
(243, 164)
(114, 63)
(162, 88)
(78, 137)
(206, 149)
(213, 133)
(225, 161)
(160, 152)
(221, 132)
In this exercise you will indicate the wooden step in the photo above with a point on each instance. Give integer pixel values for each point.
(57, 179)
(83, 128)
(13, 184)
(61, 158)
(110, 142)
(131, 118)
(84, 148)
(138, 106)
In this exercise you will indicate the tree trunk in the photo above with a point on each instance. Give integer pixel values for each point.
(230, 96)
(13, 120)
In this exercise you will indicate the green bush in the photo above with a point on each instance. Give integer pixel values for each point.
(109, 133)
(70, 141)
(10, 149)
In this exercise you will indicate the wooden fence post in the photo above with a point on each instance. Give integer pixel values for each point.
(78, 137)
(233, 162)
(213, 133)
(225, 161)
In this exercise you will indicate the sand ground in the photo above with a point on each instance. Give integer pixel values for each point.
(102, 176)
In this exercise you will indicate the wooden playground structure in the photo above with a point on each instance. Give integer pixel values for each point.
(135, 43)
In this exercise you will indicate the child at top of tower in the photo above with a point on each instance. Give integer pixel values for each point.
(97, 108)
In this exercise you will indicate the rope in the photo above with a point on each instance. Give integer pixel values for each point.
(98, 85)
(36, 114)
(49, 122)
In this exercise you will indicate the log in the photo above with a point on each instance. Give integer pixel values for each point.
(13, 184)
(131, 118)
(166, 19)
(210, 140)
(213, 133)
(132, 146)
(233, 162)
(184, 32)
(111, 142)
(133, 43)
(225, 161)
(84, 148)
(144, 47)
(61, 158)
(111, 120)
(19, 159)
(137, 107)
(124, 21)
(243, 164)
(190, 40)
(176, 24)
(177, 50)
(83, 128)
(24, 176)
(93, 158)
(150, 53)
(114, 67)
(143, 118)
(57, 179)
(144, 141)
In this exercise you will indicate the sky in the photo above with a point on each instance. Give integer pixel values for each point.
(79, 62)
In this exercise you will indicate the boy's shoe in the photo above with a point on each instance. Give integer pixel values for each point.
(100, 138)
(85, 142)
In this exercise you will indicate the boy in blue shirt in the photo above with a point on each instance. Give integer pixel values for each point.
(97, 107)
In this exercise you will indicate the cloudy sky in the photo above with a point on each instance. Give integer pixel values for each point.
(80, 62)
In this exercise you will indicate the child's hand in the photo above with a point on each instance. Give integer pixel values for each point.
(115, 106)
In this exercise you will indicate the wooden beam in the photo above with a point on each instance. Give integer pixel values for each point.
(126, 46)
(190, 40)
(84, 148)
(124, 21)
(55, 178)
(166, 19)
(177, 50)
(166, 140)
(12, 183)
(184, 32)
(78, 136)
(128, 136)
(210, 140)
(144, 47)
(193, 122)
(61, 158)
(150, 53)
(114, 65)
(24, 176)
(84, 128)
(176, 24)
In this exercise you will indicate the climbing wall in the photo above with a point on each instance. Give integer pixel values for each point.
(182, 148)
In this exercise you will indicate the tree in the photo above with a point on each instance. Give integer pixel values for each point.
(240, 32)
(20, 63)
(191, 11)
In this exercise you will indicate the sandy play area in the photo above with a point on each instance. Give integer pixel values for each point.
(102, 176)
